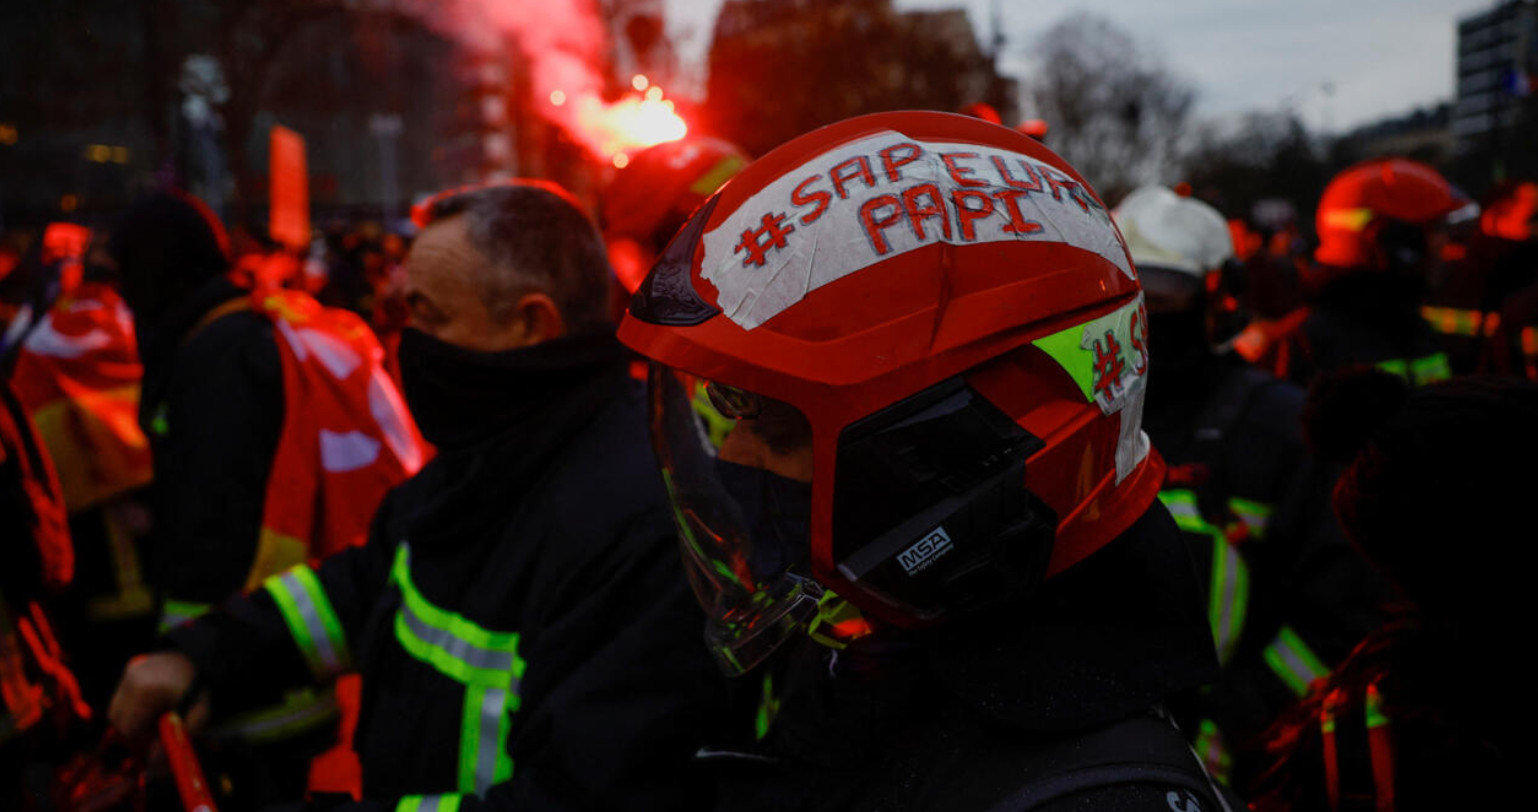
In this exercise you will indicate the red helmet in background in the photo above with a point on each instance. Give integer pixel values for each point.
(932, 341)
(1378, 209)
(655, 193)
(1513, 215)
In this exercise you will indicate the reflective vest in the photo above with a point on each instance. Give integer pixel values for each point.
(78, 375)
(347, 438)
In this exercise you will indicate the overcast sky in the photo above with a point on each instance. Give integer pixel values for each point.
(1384, 57)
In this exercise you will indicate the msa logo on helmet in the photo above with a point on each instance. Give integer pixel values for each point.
(927, 551)
(883, 196)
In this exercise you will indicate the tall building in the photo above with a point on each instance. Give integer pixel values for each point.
(1497, 72)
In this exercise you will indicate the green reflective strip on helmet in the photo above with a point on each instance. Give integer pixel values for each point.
(1214, 751)
(724, 170)
(1064, 348)
(175, 613)
(311, 621)
(1293, 661)
(1182, 505)
(453, 645)
(429, 803)
(483, 759)
(1068, 347)
(1430, 369)
(1229, 598)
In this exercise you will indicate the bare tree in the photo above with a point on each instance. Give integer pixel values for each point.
(1117, 113)
(1263, 156)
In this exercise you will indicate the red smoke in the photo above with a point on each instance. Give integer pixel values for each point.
(566, 41)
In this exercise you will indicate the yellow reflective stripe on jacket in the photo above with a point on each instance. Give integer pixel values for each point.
(1213, 751)
(1293, 661)
(429, 803)
(1228, 589)
(132, 598)
(455, 646)
(1419, 371)
(1230, 596)
(175, 613)
(1454, 321)
(483, 760)
(300, 712)
(311, 620)
(485, 662)
(1182, 505)
(1255, 515)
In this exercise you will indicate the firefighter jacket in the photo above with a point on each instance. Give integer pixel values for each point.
(276, 433)
(519, 616)
(1049, 703)
(1362, 318)
(1286, 595)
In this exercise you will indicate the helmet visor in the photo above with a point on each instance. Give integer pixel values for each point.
(737, 470)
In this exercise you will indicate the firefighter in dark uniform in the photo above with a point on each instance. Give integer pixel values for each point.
(930, 534)
(1421, 716)
(1381, 226)
(518, 615)
(1287, 597)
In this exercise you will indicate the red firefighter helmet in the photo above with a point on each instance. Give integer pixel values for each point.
(655, 193)
(1513, 214)
(1379, 207)
(929, 340)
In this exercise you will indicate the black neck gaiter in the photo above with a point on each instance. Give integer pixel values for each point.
(460, 397)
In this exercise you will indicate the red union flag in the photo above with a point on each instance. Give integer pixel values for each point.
(884, 195)
(288, 189)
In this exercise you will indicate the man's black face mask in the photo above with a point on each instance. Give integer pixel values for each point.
(459, 396)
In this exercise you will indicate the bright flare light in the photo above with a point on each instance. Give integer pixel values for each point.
(634, 122)
(557, 97)
(639, 82)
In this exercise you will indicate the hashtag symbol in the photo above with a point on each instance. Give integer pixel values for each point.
(757, 243)
(1109, 366)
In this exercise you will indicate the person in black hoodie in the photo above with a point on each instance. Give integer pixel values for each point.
(928, 537)
(518, 615)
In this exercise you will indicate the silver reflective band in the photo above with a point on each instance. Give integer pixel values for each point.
(457, 648)
(318, 636)
(493, 707)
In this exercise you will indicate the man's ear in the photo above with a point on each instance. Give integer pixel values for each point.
(541, 318)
